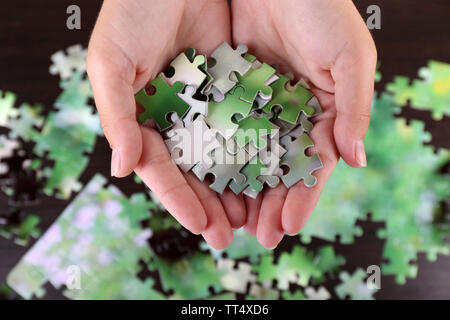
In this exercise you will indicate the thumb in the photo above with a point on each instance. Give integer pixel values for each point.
(114, 98)
(353, 74)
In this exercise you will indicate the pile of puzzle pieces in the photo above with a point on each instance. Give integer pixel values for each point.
(235, 118)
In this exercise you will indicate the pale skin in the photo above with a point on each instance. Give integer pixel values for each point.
(324, 41)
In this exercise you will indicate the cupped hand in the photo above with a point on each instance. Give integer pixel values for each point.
(326, 42)
(133, 40)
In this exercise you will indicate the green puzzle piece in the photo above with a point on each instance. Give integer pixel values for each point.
(254, 80)
(190, 278)
(220, 114)
(22, 232)
(244, 245)
(353, 286)
(292, 102)
(24, 125)
(252, 170)
(163, 102)
(327, 262)
(252, 129)
(295, 267)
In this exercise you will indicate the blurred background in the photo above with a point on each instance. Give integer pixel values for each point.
(412, 33)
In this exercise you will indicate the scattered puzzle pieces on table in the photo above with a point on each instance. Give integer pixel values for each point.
(431, 92)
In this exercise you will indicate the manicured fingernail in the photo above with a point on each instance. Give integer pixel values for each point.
(115, 162)
(360, 153)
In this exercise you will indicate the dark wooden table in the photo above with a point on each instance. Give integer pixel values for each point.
(413, 32)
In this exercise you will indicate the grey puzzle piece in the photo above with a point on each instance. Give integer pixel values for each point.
(303, 123)
(193, 144)
(186, 71)
(226, 167)
(271, 181)
(227, 61)
(300, 165)
(197, 106)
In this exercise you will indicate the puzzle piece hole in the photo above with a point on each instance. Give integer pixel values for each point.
(150, 89)
(211, 62)
(170, 72)
(285, 169)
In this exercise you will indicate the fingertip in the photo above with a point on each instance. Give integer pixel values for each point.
(270, 240)
(290, 228)
(353, 153)
(350, 148)
(220, 239)
(127, 149)
(250, 228)
(197, 226)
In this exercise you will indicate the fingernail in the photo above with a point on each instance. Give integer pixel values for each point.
(360, 153)
(115, 162)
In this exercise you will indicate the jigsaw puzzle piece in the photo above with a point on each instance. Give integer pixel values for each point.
(302, 125)
(236, 279)
(193, 144)
(220, 114)
(227, 60)
(399, 257)
(245, 245)
(292, 267)
(7, 110)
(26, 123)
(187, 71)
(292, 100)
(163, 102)
(253, 129)
(197, 107)
(354, 286)
(189, 278)
(300, 165)
(19, 228)
(64, 64)
(251, 171)
(7, 147)
(226, 167)
(256, 81)
(320, 293)
(76, 92)
(263, 291)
